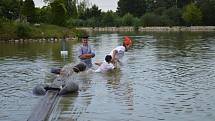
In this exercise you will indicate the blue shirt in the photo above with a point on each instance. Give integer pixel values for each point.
(86, 50)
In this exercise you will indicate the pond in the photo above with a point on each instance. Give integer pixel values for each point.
(164, 76)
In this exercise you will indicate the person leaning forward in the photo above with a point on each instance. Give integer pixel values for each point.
(118, 52)
(85, 52)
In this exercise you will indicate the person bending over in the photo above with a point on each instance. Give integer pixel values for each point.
(118, 52)
(106, 65)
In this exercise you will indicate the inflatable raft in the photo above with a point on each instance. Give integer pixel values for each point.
(62, 85)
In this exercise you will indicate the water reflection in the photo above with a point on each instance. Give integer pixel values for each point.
(33, 51)
(182, 45)
(122, 90)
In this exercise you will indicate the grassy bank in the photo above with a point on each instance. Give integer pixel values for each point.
(15, 30)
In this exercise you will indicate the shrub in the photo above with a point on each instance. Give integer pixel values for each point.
(150, 19)
(23, 30)
(165, 21)
(128, 20)
(136, 23)
(192, 14)
(1, 23)
(174, 14)
(159, 11)
(109, 19)
(118, 21)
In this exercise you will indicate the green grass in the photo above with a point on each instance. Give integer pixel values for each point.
(8, 30)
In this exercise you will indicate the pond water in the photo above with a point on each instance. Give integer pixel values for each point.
(164, 76)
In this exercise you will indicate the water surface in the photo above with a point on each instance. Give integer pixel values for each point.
(165, 76)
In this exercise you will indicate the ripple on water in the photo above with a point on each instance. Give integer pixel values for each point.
(164, 77)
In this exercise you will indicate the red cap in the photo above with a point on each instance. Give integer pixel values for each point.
(127, 40)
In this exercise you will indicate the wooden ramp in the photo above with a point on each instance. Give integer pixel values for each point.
(45, 106)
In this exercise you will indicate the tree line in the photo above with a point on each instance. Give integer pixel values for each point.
(73, 13)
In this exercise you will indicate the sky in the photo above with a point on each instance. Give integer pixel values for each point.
(105, 5)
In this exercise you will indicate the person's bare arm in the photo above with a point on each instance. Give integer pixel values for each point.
(86, 56)
(98, 63)
(114, 55)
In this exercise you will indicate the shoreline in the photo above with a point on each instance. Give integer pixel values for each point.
(150, 29)
(40, 40)
(21, 32)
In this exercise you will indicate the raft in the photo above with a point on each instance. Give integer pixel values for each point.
(62, 85)
(43, 109)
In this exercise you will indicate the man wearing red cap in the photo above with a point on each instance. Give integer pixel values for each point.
(118, 52)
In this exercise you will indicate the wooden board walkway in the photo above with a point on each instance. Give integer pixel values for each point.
(45, 106)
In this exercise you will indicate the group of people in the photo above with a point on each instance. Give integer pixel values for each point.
(86, 54)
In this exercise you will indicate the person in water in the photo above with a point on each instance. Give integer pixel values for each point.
(118, 52)
(106, 65)
(85, 53)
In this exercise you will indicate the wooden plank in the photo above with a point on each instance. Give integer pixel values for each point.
(43, 109)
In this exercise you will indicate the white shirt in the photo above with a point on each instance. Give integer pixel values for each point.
(104, 67)
(120, 52)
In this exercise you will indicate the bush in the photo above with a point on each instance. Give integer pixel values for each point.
(23, 30)
(1, 23)
(192, 14)
(118, 21)
(159, 11)
(79, 22)
(109, 19)
(166, 21)
(150, 19)
(174, 14)
(92, 22)
(128, 20)
(136, 23)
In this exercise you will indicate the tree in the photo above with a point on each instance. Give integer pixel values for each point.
(208, 15)
(165, 3)
(95, 11)
(10, 9)
(150, 19)
(159, 11)
(109, 18)
(58, 12)
(82, 6)
(192, 14)
(1, 12)
(183, 3)
(134, 7)
(28, 10)
(69, 5)
(127, 19)
(150, 5)
(71, 8)
(45, 14)
(174, 14)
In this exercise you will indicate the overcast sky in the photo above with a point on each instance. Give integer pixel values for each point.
(102, 4)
